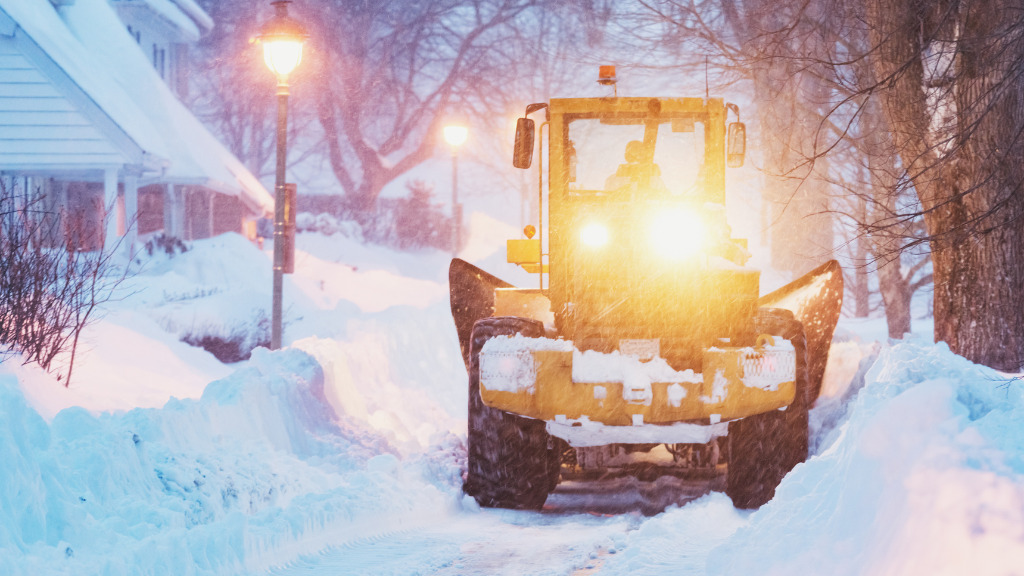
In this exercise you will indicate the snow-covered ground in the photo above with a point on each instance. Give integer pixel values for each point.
(343, 453)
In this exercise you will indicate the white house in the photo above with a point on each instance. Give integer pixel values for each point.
(90, 118)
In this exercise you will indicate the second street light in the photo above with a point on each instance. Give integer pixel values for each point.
(282, 38)
(455, 135)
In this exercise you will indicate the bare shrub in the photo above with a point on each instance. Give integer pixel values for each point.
(166, 244)
(49, 290)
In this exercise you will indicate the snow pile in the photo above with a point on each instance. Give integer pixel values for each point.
(358, 430)
(676, 541)
(926, 476)
(380, 380)
(354, 433)
(221, 287)
(200, 486)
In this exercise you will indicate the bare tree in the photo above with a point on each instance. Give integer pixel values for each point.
(872, 198)
(763, 42)
(947, 79)
(380, 77)
(232, 90)
(390, 72)
(952, 78)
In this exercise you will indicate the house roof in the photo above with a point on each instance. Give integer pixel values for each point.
(197, 14)
(44, 29)
(185, 15)
(90, 44)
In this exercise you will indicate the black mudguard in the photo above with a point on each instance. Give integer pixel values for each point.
(815, 300)
(472, 298)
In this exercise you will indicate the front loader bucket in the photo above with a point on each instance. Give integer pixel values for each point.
(815, 299)
(472, 298)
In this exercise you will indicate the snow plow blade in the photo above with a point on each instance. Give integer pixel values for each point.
(472, 298)
(815, 300)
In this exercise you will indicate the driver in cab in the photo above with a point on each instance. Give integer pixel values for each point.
(635, 173)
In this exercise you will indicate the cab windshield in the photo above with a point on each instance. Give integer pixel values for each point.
(637, 155)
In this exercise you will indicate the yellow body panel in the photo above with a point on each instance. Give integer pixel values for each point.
(555, 395)
(523, 303)
(523, 251)
(526, 254)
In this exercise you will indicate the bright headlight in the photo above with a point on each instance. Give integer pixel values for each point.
(594, 234)
(677, 233)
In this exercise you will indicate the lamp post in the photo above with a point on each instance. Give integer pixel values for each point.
(455, 135)
(282, 39)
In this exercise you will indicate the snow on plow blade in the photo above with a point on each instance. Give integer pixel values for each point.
(815, 299)
(549, 380)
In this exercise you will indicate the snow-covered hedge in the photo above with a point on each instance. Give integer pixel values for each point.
(328, 225)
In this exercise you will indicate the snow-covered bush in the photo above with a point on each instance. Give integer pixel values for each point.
(328, 225)
(235, 343)
(407, 223)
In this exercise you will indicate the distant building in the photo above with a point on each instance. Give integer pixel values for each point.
(91, 121)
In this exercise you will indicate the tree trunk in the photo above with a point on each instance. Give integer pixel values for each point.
(971, 193)
(896, 295)
(860, 286)
(978, 285)
(886, 244)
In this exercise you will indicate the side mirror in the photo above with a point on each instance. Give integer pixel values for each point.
(737, 144)
(522, 156)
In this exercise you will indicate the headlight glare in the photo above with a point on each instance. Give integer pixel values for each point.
(677, 233)
(594, 234)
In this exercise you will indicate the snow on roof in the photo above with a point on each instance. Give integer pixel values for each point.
(197, 14)
(43, 26)
(176, 15)
(169, 11)
(121, 80)
(196, 155)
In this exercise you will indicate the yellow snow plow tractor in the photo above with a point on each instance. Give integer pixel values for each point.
(645, 327)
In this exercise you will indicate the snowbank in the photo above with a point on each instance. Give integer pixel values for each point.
(358, 428)
(206, 486)
(250, 463)
(925, 476)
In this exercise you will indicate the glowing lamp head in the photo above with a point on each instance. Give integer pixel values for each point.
(282, 38)
(455, 135)
(594, 235)
(677, 233)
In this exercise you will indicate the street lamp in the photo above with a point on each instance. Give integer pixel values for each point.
(282, 39)
(455, 135)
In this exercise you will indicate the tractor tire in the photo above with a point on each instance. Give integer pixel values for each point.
(765, 447)
(513, 462)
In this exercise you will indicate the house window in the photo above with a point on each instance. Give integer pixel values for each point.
(84, 218)
(160, 60)
(179, 69)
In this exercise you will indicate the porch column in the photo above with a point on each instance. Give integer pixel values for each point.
(131, 208)
(210, 213)
(170, 216)
(110, 207)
